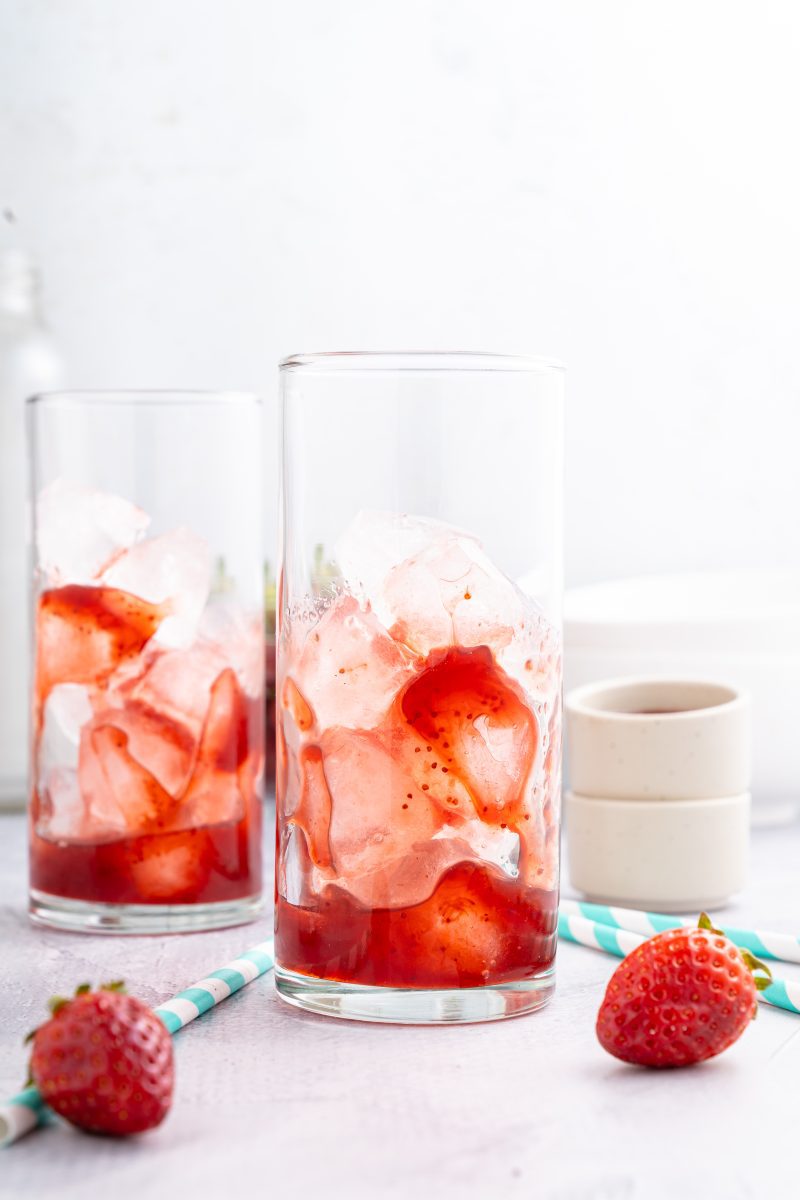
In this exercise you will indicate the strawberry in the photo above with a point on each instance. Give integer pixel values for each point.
(104, 1061)
(679, 998)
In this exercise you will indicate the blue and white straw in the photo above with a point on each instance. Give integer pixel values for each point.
(21, 1114)
(26, 1110)
(217, 986)
(781, 993)
(574, 927)
(784, 947)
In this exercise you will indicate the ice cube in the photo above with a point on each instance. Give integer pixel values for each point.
(382, 825)
(62, 812)
(349, 669)
(451, 594)
(288, 782)
(67, 816)
(294, 867)
(430, 584)
(312, 810)
(163, 746)
(213, 795)
(80, 531)
(174, 568)
(177, 684)
(474, 726)
(476, 926)
(428, 766)
(239, 634)
(300, 711)
(377, 541)
(533, 657)
(118, 790)
(171, 868)
(84, 634)
(491, 845)
(66, 710)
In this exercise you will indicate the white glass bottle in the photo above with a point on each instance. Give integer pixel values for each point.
(29, 363)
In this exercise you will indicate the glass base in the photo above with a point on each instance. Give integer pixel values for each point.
(79, 916)
(414, 1006)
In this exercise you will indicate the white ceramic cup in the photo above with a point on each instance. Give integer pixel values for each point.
(678, 855)
(658, 811)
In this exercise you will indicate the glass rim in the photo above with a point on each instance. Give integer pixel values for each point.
(394, 361)
(166, 397)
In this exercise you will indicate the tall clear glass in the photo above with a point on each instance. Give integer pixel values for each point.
(419, 685)
(148, 703)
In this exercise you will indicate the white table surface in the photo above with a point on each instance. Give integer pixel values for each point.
(274, 1102)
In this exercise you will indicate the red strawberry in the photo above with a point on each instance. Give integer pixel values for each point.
(104, 1062)
(679, 998)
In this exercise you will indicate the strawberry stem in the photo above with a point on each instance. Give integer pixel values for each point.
(762, 982)
(754, 965)
(705, 923)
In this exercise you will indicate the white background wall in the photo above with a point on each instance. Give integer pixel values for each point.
(210, 185)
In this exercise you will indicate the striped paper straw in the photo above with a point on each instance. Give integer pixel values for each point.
(21, 1114)
(217, 986)
(781, 993)
(785, 947)
(26, 1110)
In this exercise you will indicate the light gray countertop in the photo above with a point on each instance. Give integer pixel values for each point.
(275, 1102)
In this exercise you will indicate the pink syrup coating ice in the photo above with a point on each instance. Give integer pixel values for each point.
(409, 749)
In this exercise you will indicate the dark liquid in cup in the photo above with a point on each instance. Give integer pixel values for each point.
(656, 712)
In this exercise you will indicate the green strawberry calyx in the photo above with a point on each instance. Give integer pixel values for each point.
(762, 975)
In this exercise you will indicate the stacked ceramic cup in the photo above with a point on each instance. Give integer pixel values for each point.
(658, 812)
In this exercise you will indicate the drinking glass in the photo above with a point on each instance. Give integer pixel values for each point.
(148, 707)
(419, 685)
